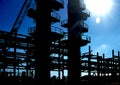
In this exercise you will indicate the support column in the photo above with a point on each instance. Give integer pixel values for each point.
(89, 63)
(42, 42)
(113, 65)
(119, 62)
(74, 43)
(98, 65)
(15, 49)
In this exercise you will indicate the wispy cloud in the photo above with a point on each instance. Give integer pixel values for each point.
(103, 48)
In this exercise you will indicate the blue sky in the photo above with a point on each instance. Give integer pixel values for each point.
(104, 36)
(8, 12)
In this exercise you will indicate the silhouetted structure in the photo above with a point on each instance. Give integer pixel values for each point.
(47, 48)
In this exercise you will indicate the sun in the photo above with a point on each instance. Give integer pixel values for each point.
(98, 7)
(98, 20)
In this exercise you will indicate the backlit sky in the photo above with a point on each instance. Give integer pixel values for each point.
(104, 35)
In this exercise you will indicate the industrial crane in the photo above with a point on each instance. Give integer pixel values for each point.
(16, 26)
(20, 16)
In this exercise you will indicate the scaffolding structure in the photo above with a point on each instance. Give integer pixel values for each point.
(17, 51)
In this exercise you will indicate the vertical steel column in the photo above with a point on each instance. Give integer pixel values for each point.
(98, 65)
(27, 57)
(59, 61)
(42, 42)
(89, 63)
(119, 62)
(113, 65)
(74, 45)
(15, 48)
(103, 68)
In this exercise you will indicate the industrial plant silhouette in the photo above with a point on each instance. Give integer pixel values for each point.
(51, 49)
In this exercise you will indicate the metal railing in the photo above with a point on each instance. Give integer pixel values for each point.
(60, 1)
(31, 30)
(57, 30)
(64, 22)
(33, 5)
(55, 15)
(86, 37)
(86, 11)
(82, 5)
(83, 24)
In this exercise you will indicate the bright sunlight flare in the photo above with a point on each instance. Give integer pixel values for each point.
(98, 7)
(98, 20)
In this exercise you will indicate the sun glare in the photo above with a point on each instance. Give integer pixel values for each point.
(98, 20)
(98, 7)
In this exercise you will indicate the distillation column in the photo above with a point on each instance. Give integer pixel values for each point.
(74, 45)
(42, 46)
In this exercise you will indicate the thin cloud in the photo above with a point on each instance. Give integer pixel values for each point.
(103, 48)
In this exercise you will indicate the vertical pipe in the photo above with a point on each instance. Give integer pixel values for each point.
(42, 42)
